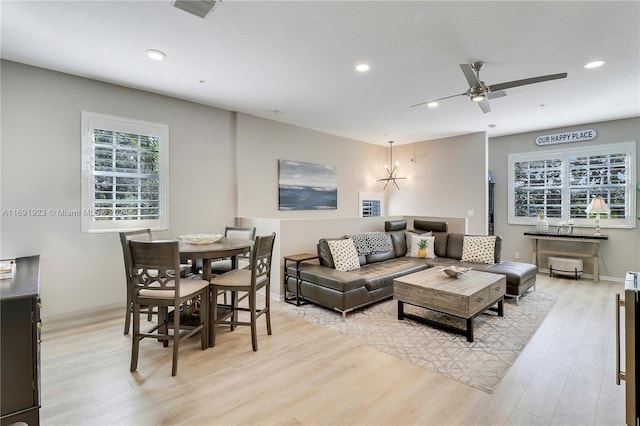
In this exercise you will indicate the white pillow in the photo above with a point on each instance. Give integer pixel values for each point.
(415, 240)
(407, 237)
(479, 249)
(344, 254)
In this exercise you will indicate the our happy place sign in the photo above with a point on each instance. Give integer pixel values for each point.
(566, 137)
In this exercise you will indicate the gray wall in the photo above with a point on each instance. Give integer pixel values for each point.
(261, 143)
(448, 177)
(40, 169)
(621, 253)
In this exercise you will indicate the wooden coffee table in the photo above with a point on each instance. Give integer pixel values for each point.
(464, 297)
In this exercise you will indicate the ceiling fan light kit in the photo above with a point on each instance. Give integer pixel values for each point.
(480, 93)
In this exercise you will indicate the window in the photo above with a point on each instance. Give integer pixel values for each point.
(371, 204)
(560, 184)
(124, 174)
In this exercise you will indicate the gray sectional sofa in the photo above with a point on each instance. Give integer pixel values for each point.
(345, 291)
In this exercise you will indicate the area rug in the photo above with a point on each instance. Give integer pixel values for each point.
(482, 363)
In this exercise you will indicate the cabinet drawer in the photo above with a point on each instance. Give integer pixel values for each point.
(479, 301)
(498, 289)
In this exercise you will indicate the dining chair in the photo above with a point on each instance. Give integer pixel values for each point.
(247, 281)
(156, 284)
(138, 235)
(221, 266)
(125, 237)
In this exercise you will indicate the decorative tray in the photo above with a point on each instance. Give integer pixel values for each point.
(200, 238)
(454, 271)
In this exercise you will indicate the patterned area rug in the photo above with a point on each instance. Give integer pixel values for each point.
(482, 363)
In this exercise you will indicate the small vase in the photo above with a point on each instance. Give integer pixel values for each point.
(542, 225)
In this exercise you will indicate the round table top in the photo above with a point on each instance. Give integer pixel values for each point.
(222, 248)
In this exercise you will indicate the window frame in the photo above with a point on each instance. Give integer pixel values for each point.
(91, 121)
(629, 148)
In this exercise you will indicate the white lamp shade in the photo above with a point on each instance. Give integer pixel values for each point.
(597, 205)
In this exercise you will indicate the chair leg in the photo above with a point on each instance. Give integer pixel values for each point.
(127, 318)
(135, 340)
(163, 322)
(176, 340)
(213, 315)
(234, 310)
(204, 320)
(268, 311)
(252, 308)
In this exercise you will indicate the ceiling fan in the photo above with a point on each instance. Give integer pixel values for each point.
(481, 93)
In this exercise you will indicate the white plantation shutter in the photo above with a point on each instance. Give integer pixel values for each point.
(125, 171)
(561, 183)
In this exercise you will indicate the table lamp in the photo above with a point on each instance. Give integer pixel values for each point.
(597, 206)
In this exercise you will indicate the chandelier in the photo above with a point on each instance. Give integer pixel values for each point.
(391, 171)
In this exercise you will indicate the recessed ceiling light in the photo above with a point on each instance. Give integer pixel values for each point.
(432, 104)
(156, 55)
(362, 67)
(594, 64)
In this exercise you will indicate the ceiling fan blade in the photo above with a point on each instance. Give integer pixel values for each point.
(439, 99)
(496, 94)
(484, 105)
(523, 82)
(470, 75)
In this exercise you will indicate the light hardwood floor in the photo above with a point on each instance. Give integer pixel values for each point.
(305, 374)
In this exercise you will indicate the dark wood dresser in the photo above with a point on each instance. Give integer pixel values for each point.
(20, 344)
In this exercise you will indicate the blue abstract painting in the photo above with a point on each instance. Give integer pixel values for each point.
(307, 186)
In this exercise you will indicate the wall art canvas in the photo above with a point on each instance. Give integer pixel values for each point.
(307, 186)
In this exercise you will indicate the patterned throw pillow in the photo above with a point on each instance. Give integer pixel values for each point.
(415, 240)
(407, 236)
(344, 254)
(479, 249)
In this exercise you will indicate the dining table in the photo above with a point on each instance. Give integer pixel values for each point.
(225, 247)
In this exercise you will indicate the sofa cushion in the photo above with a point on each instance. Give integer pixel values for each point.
(395, 225)
(429, 225)
(344, 254)
(328, 277)
(479, 249)
(415, 241)
(517, 273)
(381, 274)
(454, 246)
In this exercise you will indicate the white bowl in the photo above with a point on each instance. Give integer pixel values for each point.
(200, 238)
(454, 271)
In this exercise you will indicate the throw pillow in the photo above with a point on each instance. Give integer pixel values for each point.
(478, 249)
(344, 254)
(407, 236)
(415, 241)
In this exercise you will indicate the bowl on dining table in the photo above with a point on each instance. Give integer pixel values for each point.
(454, 271)
(200, 238)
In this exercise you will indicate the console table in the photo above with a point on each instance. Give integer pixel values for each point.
(592, 240)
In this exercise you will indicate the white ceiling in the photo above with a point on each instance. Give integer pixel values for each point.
(298, 57)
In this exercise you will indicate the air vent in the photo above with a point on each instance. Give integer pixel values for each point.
(200, 8)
